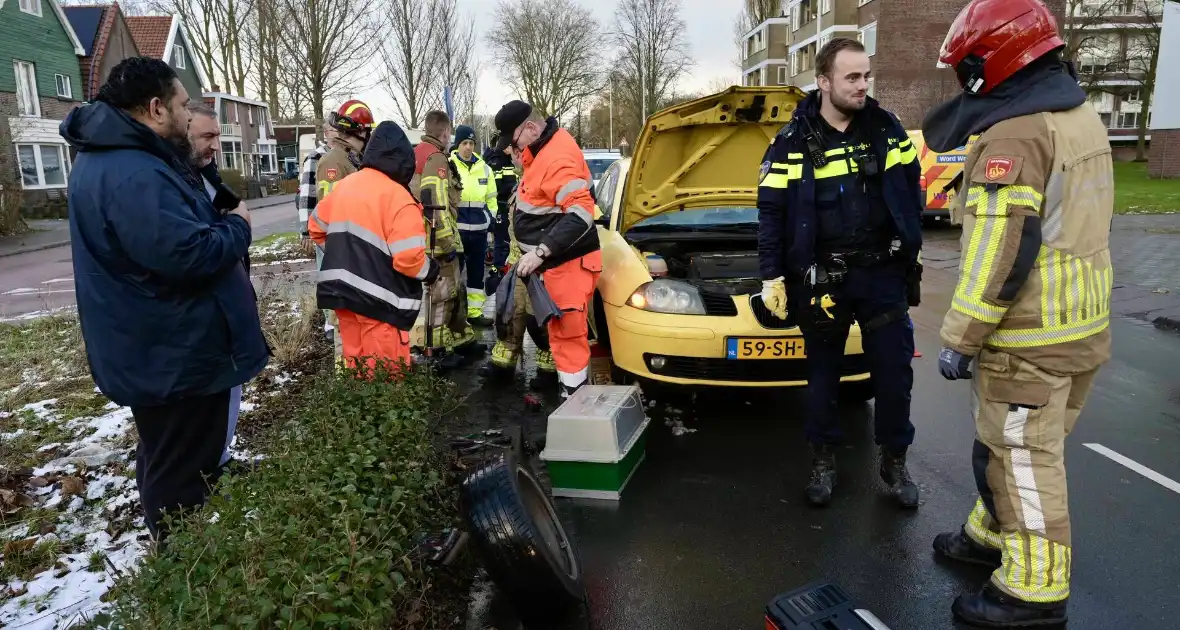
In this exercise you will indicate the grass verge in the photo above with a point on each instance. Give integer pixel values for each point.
(326, 533)
(1136, 193)
(278, 247)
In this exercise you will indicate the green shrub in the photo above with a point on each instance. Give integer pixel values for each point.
(326, 533)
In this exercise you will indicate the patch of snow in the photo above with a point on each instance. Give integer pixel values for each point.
(247, 406)
(24, 317)
(4, 437)
(283, 378)
(49, 447)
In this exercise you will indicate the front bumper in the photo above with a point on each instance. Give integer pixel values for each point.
(693, 352)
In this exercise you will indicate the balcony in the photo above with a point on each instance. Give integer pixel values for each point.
(232, 130)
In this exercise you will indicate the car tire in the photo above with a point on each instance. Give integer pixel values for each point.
(857, 392)
(521, 541)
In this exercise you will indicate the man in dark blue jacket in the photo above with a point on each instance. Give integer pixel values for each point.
(167, 309)
(840, 207)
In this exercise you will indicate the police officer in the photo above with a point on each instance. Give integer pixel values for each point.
(1031, 308)
(505, 174)
(840, 209)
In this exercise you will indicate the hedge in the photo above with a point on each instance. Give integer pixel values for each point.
(325, 534)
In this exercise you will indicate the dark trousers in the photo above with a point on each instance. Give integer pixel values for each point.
(179, 455)
(475, 254)
(501, 242)
(867, 294)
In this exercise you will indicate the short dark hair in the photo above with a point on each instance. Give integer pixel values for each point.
(826, 58)
(135, 81)
(435, 119)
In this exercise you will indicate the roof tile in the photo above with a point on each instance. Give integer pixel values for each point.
(150, 33)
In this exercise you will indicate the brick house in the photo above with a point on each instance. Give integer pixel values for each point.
(106, 39)
(165, 37)
(1164, 158)
(40, 82)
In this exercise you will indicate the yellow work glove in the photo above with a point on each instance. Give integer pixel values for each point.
(774, 296)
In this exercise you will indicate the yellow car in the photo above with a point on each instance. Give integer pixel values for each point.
(678, 300)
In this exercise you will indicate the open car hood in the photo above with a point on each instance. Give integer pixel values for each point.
(705, 152)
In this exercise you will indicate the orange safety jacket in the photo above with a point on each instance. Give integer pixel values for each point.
(374, 236)
(553, 202)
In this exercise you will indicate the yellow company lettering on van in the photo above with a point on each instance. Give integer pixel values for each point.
(938, 171)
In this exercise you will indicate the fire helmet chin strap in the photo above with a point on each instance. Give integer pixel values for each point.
(970, 73)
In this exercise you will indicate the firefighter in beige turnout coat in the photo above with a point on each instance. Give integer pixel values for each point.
(1029, 317)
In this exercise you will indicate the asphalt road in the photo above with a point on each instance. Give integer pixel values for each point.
(43, 280)
(714, 523)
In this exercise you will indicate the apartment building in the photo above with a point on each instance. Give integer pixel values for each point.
(903, 38)
(247, 137)
(1113, 42)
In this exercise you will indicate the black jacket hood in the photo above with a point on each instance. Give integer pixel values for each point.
(101, 127)
(1046, 85)
(496, 159)
(390, 152)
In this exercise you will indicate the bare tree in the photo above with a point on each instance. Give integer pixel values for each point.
(409, 56)
(653, 52)
(1143, 55)
(265, 45)
(548, 50)
(219, 33)
(1087, 46)
(329, 42)
(753, 13)
(455, 44)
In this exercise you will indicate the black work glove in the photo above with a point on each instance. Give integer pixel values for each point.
(226, 199)
(953, 365)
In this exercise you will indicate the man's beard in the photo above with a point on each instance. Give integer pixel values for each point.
(848, 107)
(181, 144)
(199, 160)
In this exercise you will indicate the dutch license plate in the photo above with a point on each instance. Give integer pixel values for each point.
(755, 348)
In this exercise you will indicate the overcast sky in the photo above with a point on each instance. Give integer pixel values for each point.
(709, 32)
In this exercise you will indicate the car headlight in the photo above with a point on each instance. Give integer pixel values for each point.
(668, 296)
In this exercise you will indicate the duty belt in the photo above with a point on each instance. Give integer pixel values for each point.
(856, 259)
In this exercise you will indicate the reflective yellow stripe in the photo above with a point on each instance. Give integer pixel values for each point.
(1035, 569)
(1075, 303)
(781, 174)
(1048, 335)
(835, 168)
(979, 261)
(977, 530)
(899, 156)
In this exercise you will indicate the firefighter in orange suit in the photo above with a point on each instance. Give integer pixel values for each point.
(554, 226)
(374, 239)
(352, 122)
(1029, 319)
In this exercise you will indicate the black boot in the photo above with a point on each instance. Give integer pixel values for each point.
(895, 473)
(959, 546)
(823, 475)
(990, 608)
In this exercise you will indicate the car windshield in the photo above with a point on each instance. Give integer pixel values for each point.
(598, 166)
(701, 218)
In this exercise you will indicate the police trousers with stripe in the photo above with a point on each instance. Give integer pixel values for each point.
(1022, 416)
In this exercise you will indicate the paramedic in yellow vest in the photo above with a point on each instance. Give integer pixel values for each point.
(1029, 318)
(477, 206)
(432, 170)
(352, 122)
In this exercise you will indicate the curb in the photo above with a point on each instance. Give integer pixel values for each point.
(1167, 323)
(35, 248)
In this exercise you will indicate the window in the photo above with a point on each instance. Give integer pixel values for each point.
(825, 6)
(178, 56)
(43, 165)
(64, 89)
(795, 18)
(1133, 96)
(27, 99)
(861, 3)
(870, 89)
(794, 63)
(605, 193)
(782, 75)
(32, 7)
(868, 37)
(250, 118)
(1128, 120)
(824, 39)
(232, 155)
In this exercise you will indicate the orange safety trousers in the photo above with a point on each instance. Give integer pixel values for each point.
(372, 339)
(571, 285)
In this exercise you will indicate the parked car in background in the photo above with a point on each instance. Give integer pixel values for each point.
(599, 160)
(679, 296)
(939, 171)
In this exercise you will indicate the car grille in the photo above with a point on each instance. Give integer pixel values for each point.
(766, 318)
(720, 304)
(752, 371)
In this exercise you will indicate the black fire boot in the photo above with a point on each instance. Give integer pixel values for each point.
(823, 475)
(895, 473)
(990, 608)
(959, 546)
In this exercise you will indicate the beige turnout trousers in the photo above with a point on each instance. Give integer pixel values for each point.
(1022, 417)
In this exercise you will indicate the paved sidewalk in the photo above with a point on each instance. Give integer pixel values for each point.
(1145, 252)
(50, 233)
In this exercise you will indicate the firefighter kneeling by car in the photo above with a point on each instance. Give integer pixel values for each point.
(510, 334)
(374, 239)
(554, 227)
(839, 210)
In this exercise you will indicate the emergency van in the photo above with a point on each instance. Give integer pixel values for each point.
(939, 170)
